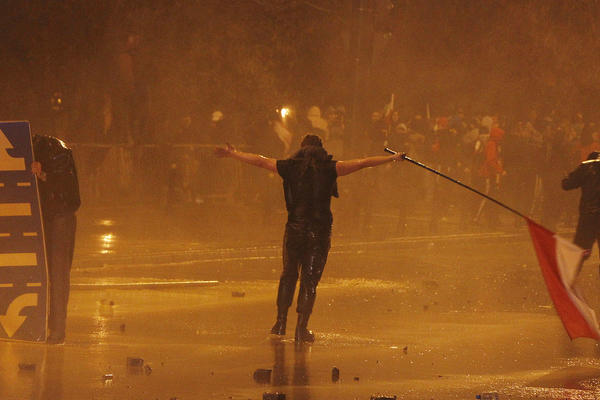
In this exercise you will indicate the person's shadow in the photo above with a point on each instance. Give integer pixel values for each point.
(300, 379)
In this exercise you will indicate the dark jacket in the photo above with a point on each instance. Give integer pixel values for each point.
(587, 177)
(59, 193)
(308, 184)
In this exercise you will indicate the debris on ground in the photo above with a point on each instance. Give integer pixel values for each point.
(135, 362)
(487, 396)
(383, 397)
(274, 396)
(335, 374)
(26, 367)
(262, 375)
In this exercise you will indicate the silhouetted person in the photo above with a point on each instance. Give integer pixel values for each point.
(309, 181)
(129, 97)
(587, 177)
(59, 197)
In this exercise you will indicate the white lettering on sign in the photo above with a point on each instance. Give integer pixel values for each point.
(18, 259)
(15, 209)
(8, 162)
(12, 321)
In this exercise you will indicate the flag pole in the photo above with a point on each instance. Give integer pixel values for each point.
(407, 158)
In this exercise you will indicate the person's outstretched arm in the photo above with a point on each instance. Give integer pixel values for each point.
(249, 158)
(350, 166)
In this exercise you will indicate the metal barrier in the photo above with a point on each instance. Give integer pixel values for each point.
(159, 174)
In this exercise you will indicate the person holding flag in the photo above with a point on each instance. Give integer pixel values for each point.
(309, 182)
(559, 259)
(587, 177)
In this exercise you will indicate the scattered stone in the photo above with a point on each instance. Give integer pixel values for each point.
(431, 285)
(356, 378)
(487, 396)
(383, 397)
(26, 367)
(122, 327)
(405, 350)
(107, 377)
(262, 375)
(135, 362)
(147, 369)
(273, 396)
(335, 374)
(238, 294)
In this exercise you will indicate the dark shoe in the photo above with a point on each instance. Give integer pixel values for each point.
(303, 335)
(278, 328)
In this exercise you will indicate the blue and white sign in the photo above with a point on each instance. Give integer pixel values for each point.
(23, 272)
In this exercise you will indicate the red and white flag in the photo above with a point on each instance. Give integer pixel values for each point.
(560, 262)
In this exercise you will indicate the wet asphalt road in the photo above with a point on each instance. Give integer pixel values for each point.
(445, 316)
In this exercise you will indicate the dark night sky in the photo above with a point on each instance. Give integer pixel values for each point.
(249, 56)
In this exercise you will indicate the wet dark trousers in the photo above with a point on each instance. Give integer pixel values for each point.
(588, 231)
(60, 242)
(304, 254)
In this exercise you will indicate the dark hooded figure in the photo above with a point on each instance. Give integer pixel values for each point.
(309, 182)
(587, 177)
(59, 197)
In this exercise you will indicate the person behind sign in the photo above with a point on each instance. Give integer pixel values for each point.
(309, 181)
(59, 198)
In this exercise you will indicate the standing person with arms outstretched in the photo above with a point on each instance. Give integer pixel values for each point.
(309, 181)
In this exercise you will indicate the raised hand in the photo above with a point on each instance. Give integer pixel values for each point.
(224, 151)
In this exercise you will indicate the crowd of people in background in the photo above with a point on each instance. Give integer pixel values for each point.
(517, 161)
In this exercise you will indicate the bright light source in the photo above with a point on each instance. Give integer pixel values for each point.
(285, 112)
(108, 238)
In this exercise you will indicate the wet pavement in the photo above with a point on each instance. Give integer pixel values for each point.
(179, 306)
